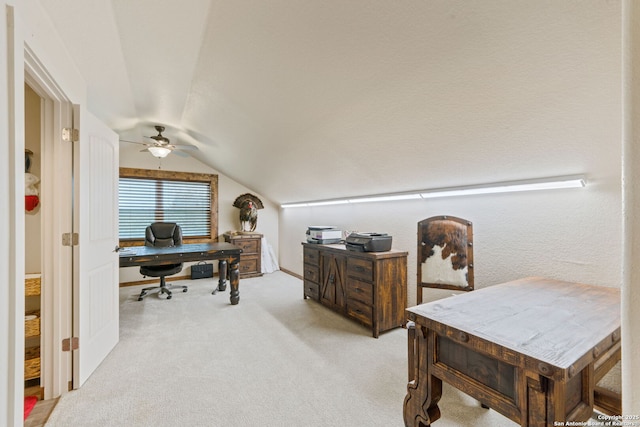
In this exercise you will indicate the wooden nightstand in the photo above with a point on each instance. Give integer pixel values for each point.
(251, 257)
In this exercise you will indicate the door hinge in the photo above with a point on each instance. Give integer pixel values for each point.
(70, 135)
(70, 239)
(69, 344)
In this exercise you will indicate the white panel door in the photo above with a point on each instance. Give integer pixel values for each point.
(96, 311)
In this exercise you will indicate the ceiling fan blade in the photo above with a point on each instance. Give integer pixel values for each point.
(185, 147)
(134, 142)
(180, 153)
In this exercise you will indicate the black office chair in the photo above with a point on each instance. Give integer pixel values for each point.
(162, 234)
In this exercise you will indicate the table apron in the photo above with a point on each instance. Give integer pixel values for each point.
(231, 258)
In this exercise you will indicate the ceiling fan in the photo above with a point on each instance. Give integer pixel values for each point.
(161, 145)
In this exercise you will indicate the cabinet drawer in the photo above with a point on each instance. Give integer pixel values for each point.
(248, 246)
(311, 256)
(312, 273)
(360, 268)
(248, 265)
(360, 311)
(360, 291)
(312, 290)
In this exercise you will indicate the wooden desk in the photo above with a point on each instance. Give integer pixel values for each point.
(228, 255)
(531, 349)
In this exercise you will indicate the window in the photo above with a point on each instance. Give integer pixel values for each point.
(147, 196)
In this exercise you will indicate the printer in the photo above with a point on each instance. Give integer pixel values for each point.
(323, 234)
(368, 242)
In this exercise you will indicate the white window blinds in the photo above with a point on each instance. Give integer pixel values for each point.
(143, 201)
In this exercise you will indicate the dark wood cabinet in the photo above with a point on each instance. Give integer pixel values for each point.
(369, 287)
(251, 257)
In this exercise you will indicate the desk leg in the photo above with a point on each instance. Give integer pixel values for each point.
(424, 390)
(222, 274)
(234, 280)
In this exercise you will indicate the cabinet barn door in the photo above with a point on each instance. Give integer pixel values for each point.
(332, 289)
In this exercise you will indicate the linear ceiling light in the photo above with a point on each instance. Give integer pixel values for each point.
(574, 181)
(328, 202)
(385, 198)
(507, 187)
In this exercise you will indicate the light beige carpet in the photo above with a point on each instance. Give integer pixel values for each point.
(273, 360)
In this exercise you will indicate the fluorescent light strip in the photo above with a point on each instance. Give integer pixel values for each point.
(502, 187)
(507, 187)
(386, 198)
(328, 202)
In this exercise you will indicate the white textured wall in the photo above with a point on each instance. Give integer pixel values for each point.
(525, 95)
(228, 190)
(571, 234)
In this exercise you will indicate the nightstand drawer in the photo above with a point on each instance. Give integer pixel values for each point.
(360, 268)
(360, 291)
(249, 246)
(248, 265)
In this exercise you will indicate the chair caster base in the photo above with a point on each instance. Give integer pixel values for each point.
(160, 290)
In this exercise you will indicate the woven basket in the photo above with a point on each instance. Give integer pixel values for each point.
(31, 363)
(32, 327)
(31, 286)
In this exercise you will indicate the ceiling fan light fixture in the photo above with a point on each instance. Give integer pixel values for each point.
(159, 152)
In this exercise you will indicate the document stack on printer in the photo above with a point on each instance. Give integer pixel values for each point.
(323, 234)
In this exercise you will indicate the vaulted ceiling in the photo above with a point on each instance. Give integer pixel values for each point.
(311, 99)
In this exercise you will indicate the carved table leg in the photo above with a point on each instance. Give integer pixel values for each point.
(222, 274)
(424, 390)
(234, 280)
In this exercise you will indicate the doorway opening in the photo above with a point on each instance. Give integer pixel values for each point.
(47, 265)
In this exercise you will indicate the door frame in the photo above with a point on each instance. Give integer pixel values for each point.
(57, 218)
(12, 217)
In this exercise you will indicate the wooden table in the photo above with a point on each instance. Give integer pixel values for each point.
(532, 349)
(228, 256)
